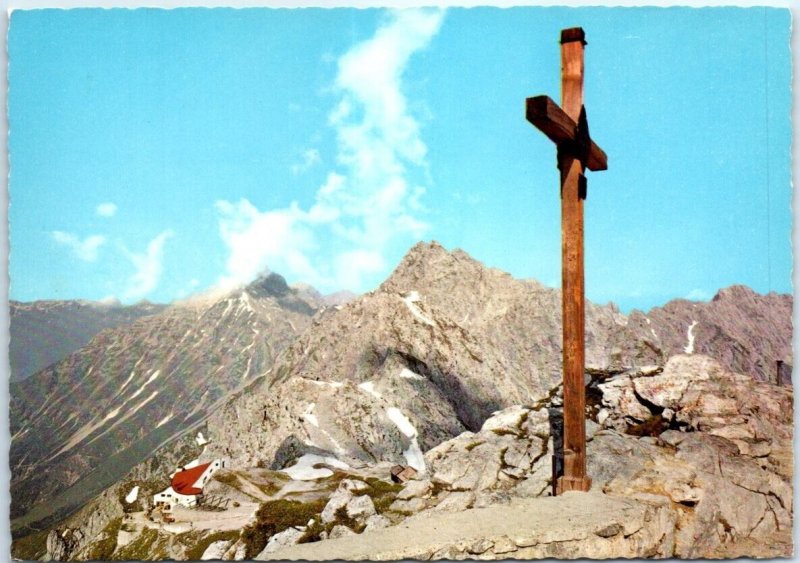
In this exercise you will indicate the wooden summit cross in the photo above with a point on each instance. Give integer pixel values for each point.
(567, 127)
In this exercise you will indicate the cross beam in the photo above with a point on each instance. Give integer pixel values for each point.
(568, 128)
(560, 128)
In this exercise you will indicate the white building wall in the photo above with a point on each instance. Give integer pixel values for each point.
(171, 498)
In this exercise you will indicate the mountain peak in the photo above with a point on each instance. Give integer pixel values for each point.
(426, 260)
(734, 292)
(268, 285)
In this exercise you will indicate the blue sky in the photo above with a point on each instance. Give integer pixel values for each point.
(158, 153)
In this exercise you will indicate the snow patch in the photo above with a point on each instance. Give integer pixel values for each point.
(336, 445)
(414, 456)
(244, 298)
(147, 400)
(247, 369)
(124, 385)
(112, 414)
(410, 300)
(200, 439)
(506, 418)
(689, 348)
(369, 387)
(193, 463)
(413, 453)
(334, 384)
(654, 333)
(146, 383)
(133, 495)
(304, 470)
(408, 374)
(401, 421)
(164, 420)
(309, 416)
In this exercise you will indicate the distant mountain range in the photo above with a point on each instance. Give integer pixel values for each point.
(43, 332)
(273, 371)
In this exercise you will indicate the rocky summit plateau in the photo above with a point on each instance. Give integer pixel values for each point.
(421, 420)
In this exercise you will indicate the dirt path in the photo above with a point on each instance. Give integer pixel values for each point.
(544, 527)
(234, 518)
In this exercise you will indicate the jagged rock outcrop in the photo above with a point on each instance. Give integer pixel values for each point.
(715, 454)
(62, 544)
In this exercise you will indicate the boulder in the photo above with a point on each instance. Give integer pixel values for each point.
(236, 551)
(215, 551)
(290, 536)
(360, 508)
(338, 499)
(376, 522)
(415, 488)
(410, 506)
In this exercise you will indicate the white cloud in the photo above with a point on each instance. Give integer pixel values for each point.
(85, 249)
(149, 266)
(107, 209)
(370, 203)
(311, 158)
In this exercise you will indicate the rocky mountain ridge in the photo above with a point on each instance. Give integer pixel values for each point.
(445, 341)
(140, 386)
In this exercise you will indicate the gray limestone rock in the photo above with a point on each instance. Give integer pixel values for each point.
(360, 508)
(415, 488)
(340, 531)
(409, 506)
(289, 536)
(456, 501)
(376, 522)
(216, 550)
(340, 498)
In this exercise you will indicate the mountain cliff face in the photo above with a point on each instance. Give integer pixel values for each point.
(445, 341)
(43, 332)
(80, 424)
(747, 332)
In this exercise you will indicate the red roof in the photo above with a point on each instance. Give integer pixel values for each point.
(183, 481)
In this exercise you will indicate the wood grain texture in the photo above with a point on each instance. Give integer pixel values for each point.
(572, 278)
(567, 126)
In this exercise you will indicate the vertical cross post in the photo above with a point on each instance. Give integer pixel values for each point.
(568, 128)
(572, 280)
